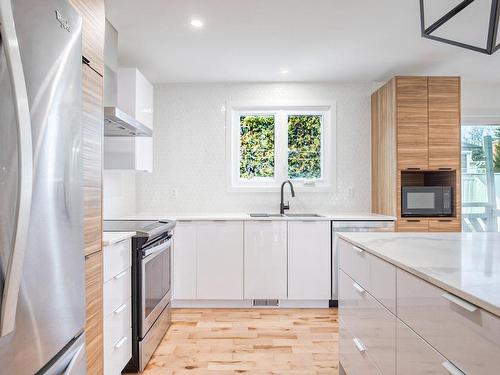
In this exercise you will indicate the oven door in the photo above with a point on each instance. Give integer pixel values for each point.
(422, 201)
(155, 282)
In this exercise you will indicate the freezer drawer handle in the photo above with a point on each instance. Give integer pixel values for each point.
(120, 309)
(74, 361)
(14, 268)
(120, 342)
(459, 302)
(358, 288)
(359, 344)
(451, 368)
(120, 275)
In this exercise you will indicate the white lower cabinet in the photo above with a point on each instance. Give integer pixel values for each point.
(265, 270)
(219, 265)
(309, 260)
(117, 307)
(184, 260)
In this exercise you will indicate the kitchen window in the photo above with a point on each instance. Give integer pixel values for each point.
(271, 144)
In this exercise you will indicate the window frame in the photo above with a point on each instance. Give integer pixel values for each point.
(281, 112)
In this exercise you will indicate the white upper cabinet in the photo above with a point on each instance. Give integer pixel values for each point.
(219, 260)
(265, 260)
(309, 249)
(135, 97)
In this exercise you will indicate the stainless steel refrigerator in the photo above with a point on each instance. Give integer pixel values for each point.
(42, 307)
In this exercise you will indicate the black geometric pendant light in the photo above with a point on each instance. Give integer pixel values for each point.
(492, 43)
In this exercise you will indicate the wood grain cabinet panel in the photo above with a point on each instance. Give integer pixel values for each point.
(412, 225)
(94, 313)
(445, 225)
(444, 122)
(412, 122)
(92, 129)
(93, 15)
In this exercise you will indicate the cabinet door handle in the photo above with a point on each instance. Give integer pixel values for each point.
(120, 309)
(412, 169)
(120, 275)
(445, 220)
(359, 344)
(413, 221)
(445, 169)
(451, 368)
(358, 288)
(459, 302)
(120, 342)
(360, 251)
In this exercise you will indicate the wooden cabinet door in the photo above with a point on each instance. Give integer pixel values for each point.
(265, 260)
(412, 122)
(184, 255)
(219, 273)
(92, 140)
(445, 225)
(309, 252)
(412, 225)
(94, 313)
(444, 122)
(92, 13)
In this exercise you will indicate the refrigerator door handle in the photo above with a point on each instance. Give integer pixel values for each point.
(14, 268)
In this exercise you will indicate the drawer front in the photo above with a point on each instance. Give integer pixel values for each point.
(354, 262)
(354, 359)
(117, 291)
(117, 258)
(469, 339)
(117, 340)
(412, 225)
(383, 282)
(415, 356)
(444, 225)
(370, 322)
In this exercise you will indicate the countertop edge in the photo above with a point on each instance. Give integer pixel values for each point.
(110, 238)
(492, 309)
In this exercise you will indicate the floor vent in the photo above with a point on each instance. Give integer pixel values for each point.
(266, 303)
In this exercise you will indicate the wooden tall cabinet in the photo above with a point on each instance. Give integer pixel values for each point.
(92, 12)
(416, 142)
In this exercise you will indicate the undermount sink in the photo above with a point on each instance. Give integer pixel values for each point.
(285, 215)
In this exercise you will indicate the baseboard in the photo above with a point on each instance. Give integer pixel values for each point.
(247, 304)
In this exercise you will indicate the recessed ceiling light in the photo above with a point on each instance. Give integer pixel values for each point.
(196, 23)
(284, 71)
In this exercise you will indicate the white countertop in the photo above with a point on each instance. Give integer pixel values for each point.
(110, 238)
(245, 216)
(465, 264)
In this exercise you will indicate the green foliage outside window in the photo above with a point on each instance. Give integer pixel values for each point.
(256, 146)
(304, 146)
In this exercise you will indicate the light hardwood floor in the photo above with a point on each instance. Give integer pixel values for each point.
(249, 341)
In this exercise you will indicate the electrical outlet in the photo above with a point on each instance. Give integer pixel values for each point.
(173, 193)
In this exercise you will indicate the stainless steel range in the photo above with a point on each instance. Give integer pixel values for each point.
(151, 284)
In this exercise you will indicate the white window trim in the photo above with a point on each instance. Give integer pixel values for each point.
(328, 157)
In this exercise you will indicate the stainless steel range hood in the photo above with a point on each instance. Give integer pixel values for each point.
(117, 123)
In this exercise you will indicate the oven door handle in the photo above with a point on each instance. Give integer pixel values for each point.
(157, 249)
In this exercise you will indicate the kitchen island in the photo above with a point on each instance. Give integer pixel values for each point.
(419, 303)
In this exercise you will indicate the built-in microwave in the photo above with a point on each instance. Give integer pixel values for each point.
(426, 201)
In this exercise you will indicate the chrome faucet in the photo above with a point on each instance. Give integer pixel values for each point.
(285, 206)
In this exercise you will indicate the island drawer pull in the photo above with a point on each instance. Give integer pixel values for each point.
(359, 344)
(413, 221)
(358, 288)
(451, 368)
(360, 251)
(120, 342)
(445, 220)
(459, 302)
(120, 275)
(120, 308)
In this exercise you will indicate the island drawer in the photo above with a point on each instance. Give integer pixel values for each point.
(355, 262)
(465, 334)
(353, 355)
(117, 258)
(117, 292)
(370, 322)
(415, 356)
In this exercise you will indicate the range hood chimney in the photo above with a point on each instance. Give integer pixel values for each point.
(117, 122)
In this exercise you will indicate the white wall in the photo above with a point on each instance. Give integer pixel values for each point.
(118, 193)
(481, 102)
(189, 149)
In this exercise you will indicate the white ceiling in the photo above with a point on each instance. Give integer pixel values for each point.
(316, 40)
